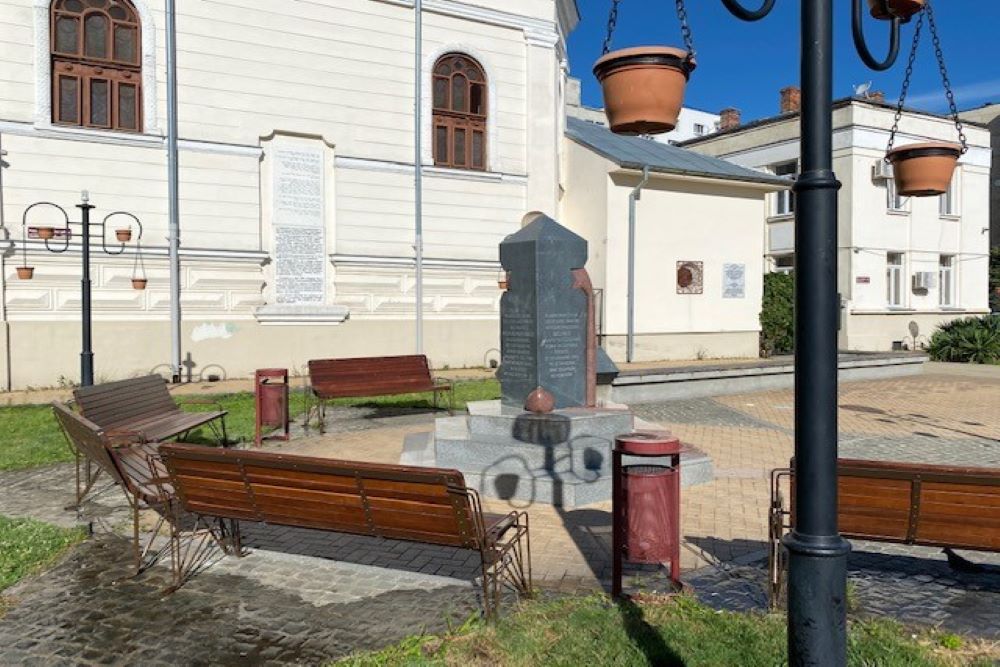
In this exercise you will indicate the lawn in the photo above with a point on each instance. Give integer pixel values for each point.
(583, 631)
(32, 438)
(27, 546)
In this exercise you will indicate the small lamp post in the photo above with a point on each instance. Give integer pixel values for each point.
(63, 231)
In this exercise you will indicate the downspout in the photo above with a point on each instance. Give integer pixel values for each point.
(418, 178)
(633, 197)
(4, 236)
(174, 228)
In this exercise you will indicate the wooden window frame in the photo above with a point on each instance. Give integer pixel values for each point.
(88, 69)
(460, 121)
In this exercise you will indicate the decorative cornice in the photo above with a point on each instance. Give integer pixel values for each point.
(366, 164)
(405, 262)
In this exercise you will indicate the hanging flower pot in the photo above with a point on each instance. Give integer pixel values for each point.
(887, 9)
(25, 272)
(124, 235)
(139, 283)
(644, 87)
(45, 233)
(924, 170)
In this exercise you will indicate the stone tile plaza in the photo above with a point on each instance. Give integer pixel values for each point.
(381, 332)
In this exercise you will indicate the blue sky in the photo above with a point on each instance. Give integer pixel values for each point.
(746, 64)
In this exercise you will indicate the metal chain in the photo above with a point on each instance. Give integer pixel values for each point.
(685, 29)
(906, 84)
(612, 24)
(929, 10)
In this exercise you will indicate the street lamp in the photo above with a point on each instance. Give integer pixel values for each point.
(63, 231)
(643, 91)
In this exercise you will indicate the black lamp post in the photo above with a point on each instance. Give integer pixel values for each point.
(64, 232)
(817, 572)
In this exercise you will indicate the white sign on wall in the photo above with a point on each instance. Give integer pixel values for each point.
(734, 281)
(299, 225)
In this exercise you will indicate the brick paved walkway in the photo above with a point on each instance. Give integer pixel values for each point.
(303, 596)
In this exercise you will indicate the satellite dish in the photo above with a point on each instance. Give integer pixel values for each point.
(861, 90)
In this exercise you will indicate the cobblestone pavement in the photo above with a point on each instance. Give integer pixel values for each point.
(915, 585)
(303, 596)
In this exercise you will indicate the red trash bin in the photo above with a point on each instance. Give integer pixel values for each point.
(271, 403)
(646, 504)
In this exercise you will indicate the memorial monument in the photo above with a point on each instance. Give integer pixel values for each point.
(547, 440)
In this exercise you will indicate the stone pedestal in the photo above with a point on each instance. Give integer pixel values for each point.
(562, 458)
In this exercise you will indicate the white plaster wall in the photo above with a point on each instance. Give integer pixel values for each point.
(686, 121)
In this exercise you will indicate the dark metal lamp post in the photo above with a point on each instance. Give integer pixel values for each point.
(817, 572)
(64, 233)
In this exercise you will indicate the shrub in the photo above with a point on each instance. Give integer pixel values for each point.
(974, 340)
(777, 316)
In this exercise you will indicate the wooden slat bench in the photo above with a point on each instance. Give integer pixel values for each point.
(128, 460)
(884, 501)
(144, 406)
(372, 376)
(428, 505)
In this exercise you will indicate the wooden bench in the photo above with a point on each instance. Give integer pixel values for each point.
(428, 505)
(126, 458)
(905, 503)
(372, 376)
(144, 406)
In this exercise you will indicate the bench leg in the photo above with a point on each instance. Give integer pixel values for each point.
(321, 409)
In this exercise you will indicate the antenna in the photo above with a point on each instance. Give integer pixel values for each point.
(861, 90)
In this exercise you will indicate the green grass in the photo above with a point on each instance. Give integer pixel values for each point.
(32, 438)
(584, 631)
(27, 546)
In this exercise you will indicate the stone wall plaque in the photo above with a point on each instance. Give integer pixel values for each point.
(734, 281)
(690, 277)
(299, 223)
(543, 315)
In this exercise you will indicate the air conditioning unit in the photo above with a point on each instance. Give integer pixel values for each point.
(881, 170)
(924, 280)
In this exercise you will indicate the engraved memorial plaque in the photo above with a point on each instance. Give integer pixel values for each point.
(543, 315)
(299, 225)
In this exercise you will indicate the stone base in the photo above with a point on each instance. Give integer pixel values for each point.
(563, 458)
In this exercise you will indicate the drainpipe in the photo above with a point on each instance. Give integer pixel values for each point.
(4, 236)
(632, 199)
(418, 178)
(174, 229)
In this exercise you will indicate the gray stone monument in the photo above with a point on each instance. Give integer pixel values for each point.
(543, 315)
(548, 340)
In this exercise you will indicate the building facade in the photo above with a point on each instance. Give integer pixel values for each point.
(698, 257)
(906, 265)
(989, 115)
(296, 125)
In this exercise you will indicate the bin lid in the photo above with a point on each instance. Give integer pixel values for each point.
(648, 443)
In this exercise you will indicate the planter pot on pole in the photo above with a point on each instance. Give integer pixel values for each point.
(925, 169)
(644, 87)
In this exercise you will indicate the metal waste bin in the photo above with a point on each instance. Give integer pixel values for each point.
(646, 503)
(271, 403)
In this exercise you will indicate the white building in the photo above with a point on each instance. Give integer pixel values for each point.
(699, 251)
(296, 174)
(906, 264)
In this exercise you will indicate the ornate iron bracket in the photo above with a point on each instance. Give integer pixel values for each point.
(857, 28)
(741, 12)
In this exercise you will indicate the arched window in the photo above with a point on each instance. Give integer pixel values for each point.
(460, 109)
(96, 71)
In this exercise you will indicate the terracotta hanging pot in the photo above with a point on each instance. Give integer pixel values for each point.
(25, 272)
(46, 233)
(924, 170)
(139, 283)
(644, 88)
(887, 9)
(123, 235)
